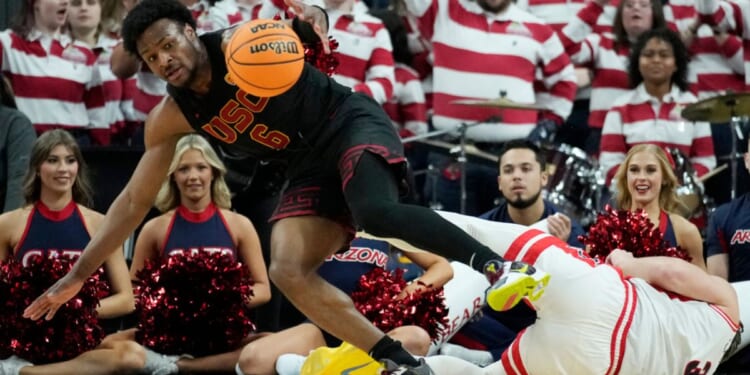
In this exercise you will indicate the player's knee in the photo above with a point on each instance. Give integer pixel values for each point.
(372, 215)
(286, 273)
(131, 357)
(413, 338)
(249, 357)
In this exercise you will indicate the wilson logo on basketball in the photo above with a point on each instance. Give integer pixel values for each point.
(275, 46)
(267, 26)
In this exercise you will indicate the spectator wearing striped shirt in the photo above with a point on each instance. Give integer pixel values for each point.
(484, 50)
(56, 81)
(406, 108)
(606, 54)
(731, 16)
(651, 111)
(84, 20)
(716, 68)
(365, 50)
(231, 12)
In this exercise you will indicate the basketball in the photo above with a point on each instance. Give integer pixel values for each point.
(265, 57)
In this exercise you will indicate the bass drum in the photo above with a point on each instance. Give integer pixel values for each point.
(574, 182)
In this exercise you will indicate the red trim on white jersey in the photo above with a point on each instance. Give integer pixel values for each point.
(734, 326)
(618, 342)
(511, 358)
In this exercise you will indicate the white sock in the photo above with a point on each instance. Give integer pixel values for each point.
(478, 357)
(290, 364)
(237, 369)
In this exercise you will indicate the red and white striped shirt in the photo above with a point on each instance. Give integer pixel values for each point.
(638, 117)
(715, 69)
(731, 16)
(56, 82)
(598, 53)
(210, 18)
(150, 90)
(481, 56)
(118, 105)
(407, 108)
(365, 50)
(365, 54)
(556, 13)
(226, 13)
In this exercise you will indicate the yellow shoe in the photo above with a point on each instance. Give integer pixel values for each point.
(344, 360)
(512, 282)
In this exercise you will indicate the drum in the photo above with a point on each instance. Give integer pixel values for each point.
(690, 192)
(574, 184)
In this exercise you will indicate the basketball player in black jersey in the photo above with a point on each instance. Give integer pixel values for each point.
(345, 167)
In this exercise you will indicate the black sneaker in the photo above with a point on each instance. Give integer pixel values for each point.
(394, 369)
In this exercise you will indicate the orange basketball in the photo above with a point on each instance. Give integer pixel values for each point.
(265, 57)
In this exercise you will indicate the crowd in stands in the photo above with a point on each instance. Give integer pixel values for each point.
(608, 79)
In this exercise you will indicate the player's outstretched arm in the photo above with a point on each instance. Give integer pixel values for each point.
(681, 277)
(164, 126)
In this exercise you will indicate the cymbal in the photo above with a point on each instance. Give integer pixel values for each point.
(719, 109)
(470, 149)
(502, 102)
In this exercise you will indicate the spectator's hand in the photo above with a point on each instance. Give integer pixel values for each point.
(559, 226)
(721, 37)
(691, 32)
(314, 16)
(413, 287)
(544, 132)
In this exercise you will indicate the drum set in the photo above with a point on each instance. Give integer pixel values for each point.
(576, 182)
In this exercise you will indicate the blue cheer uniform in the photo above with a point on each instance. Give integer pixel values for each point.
(52, 233)
(199, 231)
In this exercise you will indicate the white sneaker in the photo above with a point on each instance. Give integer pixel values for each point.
(13, 365)
(160, 364)
(480, 358)
(290, 364)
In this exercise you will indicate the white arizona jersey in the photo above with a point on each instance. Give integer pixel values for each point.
(668, 326)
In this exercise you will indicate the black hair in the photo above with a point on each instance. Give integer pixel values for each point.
(523, 144)
(23, 21)
(397, 30)
(146, 13)
(681, 57)
(6, 94)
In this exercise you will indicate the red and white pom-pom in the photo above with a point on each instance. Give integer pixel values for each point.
(75, 328)
(627, 230)
(193, 303)
(325, 62)
(376, 297)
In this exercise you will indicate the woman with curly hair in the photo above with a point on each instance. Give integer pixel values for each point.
(652, 111)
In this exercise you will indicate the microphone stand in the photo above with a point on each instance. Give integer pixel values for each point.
(462, 164)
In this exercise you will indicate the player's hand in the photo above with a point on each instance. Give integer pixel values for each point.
(54, 297)
(559, 226)
(617, 257)
(315, 17)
